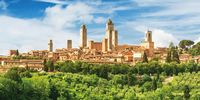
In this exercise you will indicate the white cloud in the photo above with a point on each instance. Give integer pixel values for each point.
(100, 20)
(197, 40)
(162, 39)
(31, 34)
(173, 19)
(3, 5)
(60, 17)
(58, 24)
(53, 1)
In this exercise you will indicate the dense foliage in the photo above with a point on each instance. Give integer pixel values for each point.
(195, 50)
(102, 70)
(190, 47)
(172, 54)
(77, 80)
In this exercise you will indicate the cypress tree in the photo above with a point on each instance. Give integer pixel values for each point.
(176, 56)
(172, 54)
(45, 65)
(17, 52)
(154, 84)
(168, 58)
(145, 59)
(187, 92)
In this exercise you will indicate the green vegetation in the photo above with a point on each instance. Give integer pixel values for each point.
(145, 59)
(188, 46)
(76, 80)
(195, 50)
(185, 44)
(172, 54)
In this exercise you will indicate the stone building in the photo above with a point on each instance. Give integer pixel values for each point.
(13, 52)
(111, 36)
(69, 44)
(149, 44)
(50, 46)
(42, 54)
(106, 51)
(105, 45)
(25, 63)
(83, 36)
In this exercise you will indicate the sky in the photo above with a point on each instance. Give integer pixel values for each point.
(29, 24)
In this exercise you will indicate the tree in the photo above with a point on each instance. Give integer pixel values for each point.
(145, 78)
(26, 74)
(158, 75)
(154, 84)
(45, 65)
(53, 93)
(172, 55)
(131, 79)
(145, 59)
(187, 92)
(185, 44)
(13, 74)
(9, 89)
(103, 72)
(147, 86)
(195, 50)
(176, 56)
(17, 52)
(50, 65)
(168, 58)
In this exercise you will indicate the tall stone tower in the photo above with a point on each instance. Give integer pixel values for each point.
(148, 37)
(69, 44)
(148, 43)
(109, 31)
(50, 46)
(104, 45)
(110, 42)
(114, 39)
(83, 36)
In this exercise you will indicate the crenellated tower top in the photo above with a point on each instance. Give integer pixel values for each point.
(110, 25)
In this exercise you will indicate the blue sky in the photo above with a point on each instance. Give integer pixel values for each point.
(28, 24)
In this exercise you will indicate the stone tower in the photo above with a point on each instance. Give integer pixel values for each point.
(114, 39)
(69, 44)
(104, 45)
(83, 36)
(111, 36)
(148, 43)
(148, 37)
(109, 31)
(50, 46)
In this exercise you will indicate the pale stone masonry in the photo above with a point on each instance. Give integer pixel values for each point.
(109, 34)
(149, 44)
(104, 45)
(69, 44)
(108, 50)
(50, 46)
(114, 39)
(83, 36)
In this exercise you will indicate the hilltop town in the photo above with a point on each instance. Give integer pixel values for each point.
(107, 51)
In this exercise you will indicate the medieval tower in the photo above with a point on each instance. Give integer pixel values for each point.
(69, 44)
(83, 36)
(148, 43)
(111, 36)
(50, 46)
